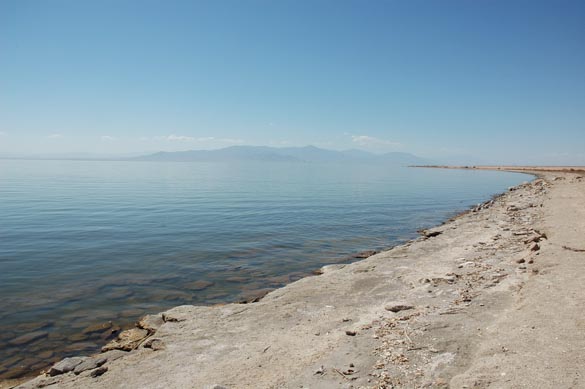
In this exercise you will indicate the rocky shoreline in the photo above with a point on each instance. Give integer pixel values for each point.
(416, 315)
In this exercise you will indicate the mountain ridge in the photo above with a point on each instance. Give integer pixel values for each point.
(283, 154)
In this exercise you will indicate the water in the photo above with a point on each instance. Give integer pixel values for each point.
(84, 243)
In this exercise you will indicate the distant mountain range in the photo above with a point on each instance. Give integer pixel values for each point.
(285, 154)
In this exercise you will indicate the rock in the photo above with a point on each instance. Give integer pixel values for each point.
(397, 307)
(365, 254)
(154, 344)
(89, 364)
(98, 372)
(431, 234)
(151, 323)
(521, 260)
(102, 327)
(127, 340)
(350, 333)
(28, 338)
(46, 354)
(215, 386)
(331, 268)
(77, 338)
(534, 247)
(199, 285)
(112, 355)
(66, 365)
(253, 296)
(513, 208)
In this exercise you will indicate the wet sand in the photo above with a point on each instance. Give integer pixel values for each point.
(492, 298)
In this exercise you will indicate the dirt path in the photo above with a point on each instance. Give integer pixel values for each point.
(490, 299)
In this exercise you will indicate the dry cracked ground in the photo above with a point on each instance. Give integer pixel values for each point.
(492, 299)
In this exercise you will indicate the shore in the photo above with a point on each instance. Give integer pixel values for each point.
(492, 298)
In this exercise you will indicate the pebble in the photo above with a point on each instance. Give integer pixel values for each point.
(154, 344)
(397, 307)
(534, 247)
(46, 354)
(112, 355)
(199, 285)
(151, 323)
(97, 328)
(98, 372)
(89, 364)
(66, 365)
(127, 340)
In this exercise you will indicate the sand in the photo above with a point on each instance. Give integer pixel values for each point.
(492, 298)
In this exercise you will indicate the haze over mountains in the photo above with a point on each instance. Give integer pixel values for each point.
(285, 154)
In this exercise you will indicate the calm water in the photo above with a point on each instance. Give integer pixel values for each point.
(83, 243)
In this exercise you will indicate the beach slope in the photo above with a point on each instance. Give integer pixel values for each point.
(492, 298)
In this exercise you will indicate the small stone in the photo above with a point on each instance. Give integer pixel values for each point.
(199, 285)
(77, 338)
(66, 365)
(397, 307)
(101, 327)
(127, 340)
(154, 344)
(112, 355)
(215, 386)
(98, 372)
(534, 247)
(151, 323)
(432, 234)
(350, 333)
(521, 260)
(28, 338)
(46, 354)
(89, 364)
(365, 254)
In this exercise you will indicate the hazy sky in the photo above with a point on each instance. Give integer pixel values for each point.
(499, 81)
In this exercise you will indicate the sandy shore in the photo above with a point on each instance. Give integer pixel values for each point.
(492, 298)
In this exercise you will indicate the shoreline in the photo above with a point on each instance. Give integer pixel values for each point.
(159, 338)
(98, 332)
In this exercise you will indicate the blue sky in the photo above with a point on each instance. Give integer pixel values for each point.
(489, 81)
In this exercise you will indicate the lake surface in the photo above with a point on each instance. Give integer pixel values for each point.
(86, 243)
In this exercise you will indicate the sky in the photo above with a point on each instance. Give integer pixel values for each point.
(473, 81)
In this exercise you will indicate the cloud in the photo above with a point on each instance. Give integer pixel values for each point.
(370, 141)
(55, 136)
(107, 138)
(180, 138)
